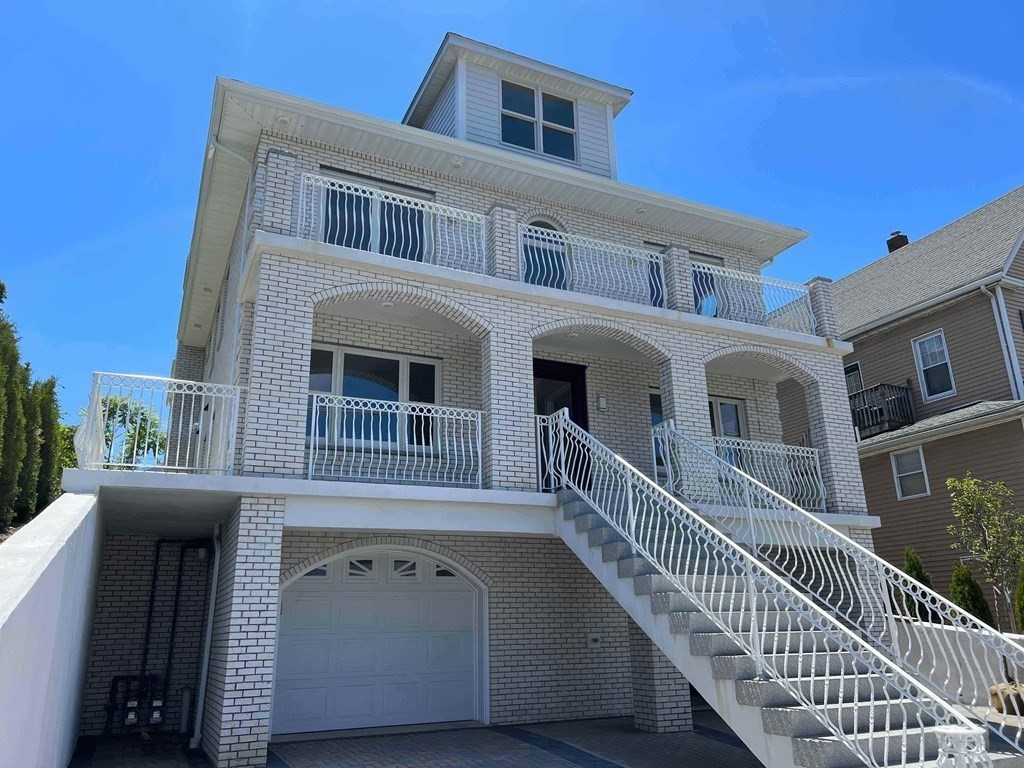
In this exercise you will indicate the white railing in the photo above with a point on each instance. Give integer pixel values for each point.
(792, 471)
(956, 655)
(342, 213)
(574, 263)
(750, 298)
(354, 438)
(788, 636)
(152, 423)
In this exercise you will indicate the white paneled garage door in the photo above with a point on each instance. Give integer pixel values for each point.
(382, 638)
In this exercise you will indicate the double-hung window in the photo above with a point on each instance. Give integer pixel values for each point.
(538, 121)
(370, 382)
(854, 378)
(933, 368)
(910, 474)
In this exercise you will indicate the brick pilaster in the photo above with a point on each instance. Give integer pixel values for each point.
(678, 281)
(236, 720)
(502, 243)
(823, 307)
(661, 695)
(509, 426)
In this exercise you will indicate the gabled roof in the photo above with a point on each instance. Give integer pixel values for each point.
(977, 246)
(454, 47)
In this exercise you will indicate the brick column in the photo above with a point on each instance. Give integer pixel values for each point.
(684, 396)
(661, 695)
(275, 413)
(678, 281)
(823, 307)
(509, 428)
(503, 243)
(828, 413)
(236, 719)
(280, 190)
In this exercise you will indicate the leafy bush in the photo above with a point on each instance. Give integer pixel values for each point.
(965, 591)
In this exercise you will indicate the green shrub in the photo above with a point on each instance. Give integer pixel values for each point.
(965, 591)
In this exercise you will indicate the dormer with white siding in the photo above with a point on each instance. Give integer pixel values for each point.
(486, 95)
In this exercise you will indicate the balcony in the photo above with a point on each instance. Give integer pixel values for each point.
(882, 408)
(792, 471)
(748, 297)
(363, 440)
(148, 423)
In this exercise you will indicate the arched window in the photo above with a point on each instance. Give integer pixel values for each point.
(545, 256)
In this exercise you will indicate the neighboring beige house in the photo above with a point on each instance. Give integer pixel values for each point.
(937, 327)
(462, 429)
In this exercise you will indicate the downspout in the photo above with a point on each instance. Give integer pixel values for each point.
(1014, 360)
(1014, 390)
(197, 734)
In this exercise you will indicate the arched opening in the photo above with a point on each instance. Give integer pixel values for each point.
(545, 254)
(395, 388)
(608, 376)
(380, 636)
(761, 410)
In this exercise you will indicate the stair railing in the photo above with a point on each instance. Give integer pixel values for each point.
(802, 648)
(958, 656)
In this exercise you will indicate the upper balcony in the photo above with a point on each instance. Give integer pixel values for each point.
(882, 408)
(339, 212)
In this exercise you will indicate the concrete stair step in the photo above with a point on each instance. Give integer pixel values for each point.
(723, 579)
(821, 689)
(638, 565)
(742, 667)
(720, 644)
(668, 602)
(588, 521)
(851, 717)
(615, 550)
(919, 745)
(688, 622)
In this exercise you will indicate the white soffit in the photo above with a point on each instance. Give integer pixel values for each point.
(241, 111)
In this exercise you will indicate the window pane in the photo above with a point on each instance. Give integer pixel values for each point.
(559, 143)
(558, 111)
(937, 380)
(321, 366)
(347, 219)
(422, 383)
(401, 231)
(657, 415)
(371, 377)
(546, 262)
(912, 485)
(730, 414)
(517, 98)
(908, 462)
(518, 132)
(854, 381)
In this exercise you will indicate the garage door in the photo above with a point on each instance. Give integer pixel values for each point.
(378, 639)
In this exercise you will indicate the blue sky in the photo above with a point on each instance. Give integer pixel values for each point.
(846, 119)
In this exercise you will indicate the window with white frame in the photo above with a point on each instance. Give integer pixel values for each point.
(854, 379)
(910, 474)
(538, 121)
(933, 368)
(374, 376)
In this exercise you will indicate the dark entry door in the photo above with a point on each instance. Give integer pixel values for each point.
(555, 386)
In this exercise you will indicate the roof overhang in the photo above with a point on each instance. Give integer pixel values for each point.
(455, 47)
(894, 441)
(242, 112)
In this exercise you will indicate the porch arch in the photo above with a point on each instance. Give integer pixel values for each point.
(609, 329)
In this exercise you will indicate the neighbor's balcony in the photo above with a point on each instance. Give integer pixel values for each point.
(882, 408)
(748, 297)
(358, 439)
(149, 423)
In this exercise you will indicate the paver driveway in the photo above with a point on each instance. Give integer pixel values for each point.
(609, 743)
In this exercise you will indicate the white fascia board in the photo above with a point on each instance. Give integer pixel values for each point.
(938, 433)
(339, 256)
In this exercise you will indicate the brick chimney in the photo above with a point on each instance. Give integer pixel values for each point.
(896, 240)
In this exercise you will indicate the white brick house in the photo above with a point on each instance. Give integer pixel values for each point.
(374, 316)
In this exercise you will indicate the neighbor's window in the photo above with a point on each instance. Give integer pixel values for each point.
(538, 121)
(911, 476)
(933, 367)
(854, 379)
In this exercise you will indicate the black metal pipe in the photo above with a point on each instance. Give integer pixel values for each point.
(149, 614)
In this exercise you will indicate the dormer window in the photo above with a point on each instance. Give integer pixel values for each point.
(554, 133)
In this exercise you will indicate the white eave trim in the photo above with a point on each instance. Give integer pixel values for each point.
(938, 433)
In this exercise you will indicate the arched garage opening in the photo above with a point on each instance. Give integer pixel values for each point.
(380, 636)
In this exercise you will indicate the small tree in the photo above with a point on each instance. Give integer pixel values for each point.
(50, 466)
(13, 386)
(991, 528)
(965, 591)
(28, 479)
(915, 570)
(67, 457)
(1018, 600)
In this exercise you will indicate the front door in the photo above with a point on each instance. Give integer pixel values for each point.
(556, 386)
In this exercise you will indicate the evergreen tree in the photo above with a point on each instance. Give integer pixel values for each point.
(66, 442)
(1018, 602)
(913, 567)
(50, 465)
(965, 591)
(28, 478)
(12, 452)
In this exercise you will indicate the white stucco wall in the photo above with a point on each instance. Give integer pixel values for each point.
(47, 584)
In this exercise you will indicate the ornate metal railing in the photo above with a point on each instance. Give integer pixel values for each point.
(339, 212)
(751, 298)
(882, 408)
(353, 438)
(792, 471)
(152, 423)
(934, 640)
(585, 265)
(788, 635)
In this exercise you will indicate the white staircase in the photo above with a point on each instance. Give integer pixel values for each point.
(799, 683)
